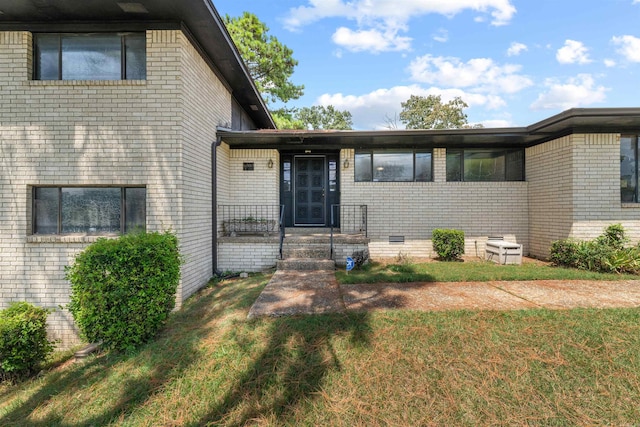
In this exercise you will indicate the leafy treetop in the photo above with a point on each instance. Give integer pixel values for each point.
(270, 63)
(316, 117)
(420, 112)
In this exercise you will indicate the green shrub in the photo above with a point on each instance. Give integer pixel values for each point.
(613, 237)
(23, 340)
(564, 252)
(606, 253)
(122, 290)
(626, 260)
(448, 244)
(360, 258)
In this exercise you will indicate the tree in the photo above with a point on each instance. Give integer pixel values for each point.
(285, 118)
(270, 63)
(316, 117)
(321, 117)
(420, 112)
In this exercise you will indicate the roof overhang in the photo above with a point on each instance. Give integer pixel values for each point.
(199, 17)
(602, 120)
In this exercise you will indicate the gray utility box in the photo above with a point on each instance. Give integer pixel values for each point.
(503, 252)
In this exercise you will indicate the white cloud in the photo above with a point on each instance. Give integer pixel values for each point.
(496, 123)
(441, 35)
(480, 74)
(370, 40)
(387, 18)
(629, 46)
(573, 52)
(610, 62)
(516, 49)
(390, 11)
(577, 91)
(369, 110)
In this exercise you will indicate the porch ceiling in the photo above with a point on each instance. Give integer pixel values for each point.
(198, 17)
(585, 120)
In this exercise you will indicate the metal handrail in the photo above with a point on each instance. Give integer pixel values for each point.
(282, 233)
(350, 219)
(249, 219)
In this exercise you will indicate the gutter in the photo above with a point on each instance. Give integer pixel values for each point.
(214, 209)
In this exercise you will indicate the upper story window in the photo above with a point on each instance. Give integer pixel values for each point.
(90, 210)
(96, 56)
(629, 169)
(491, 164)
(393, 165)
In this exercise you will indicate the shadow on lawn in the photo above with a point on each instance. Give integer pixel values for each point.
(392, 273)
(140, 375)
(290, 370)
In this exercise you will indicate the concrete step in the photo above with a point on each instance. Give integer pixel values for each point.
(310, 251)
(310, 231)
(306, 264)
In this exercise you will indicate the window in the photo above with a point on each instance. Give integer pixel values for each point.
(629, 168)
(393, 166)
(90, 56)
(90, 210)
(485, 165)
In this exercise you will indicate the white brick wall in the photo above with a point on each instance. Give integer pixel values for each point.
(550, 176)
(155, 133)
(247, 254)
(414, 209)
(574, 190)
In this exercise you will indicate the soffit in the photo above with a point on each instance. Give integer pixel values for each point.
(587, 120)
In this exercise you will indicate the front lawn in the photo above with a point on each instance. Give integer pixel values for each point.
(467, 271)
(212, 366)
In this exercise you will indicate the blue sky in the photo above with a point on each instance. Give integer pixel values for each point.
(514, 62)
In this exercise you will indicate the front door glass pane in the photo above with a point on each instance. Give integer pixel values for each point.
(310, 191)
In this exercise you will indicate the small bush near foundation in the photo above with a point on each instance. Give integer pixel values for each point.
(122, 290)
(360, 258)
(605, 254)
(403, 258)
(448, 244)
(613, 237)
(23, 340)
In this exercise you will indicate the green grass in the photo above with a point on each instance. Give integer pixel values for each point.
(469, 271)
(213, 367)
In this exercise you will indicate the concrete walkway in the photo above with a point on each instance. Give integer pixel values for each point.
(313, 292)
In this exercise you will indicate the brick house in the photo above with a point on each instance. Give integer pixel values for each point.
(126, 115)
(570, 175)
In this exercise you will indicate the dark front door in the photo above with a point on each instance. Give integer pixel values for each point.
(309, 190)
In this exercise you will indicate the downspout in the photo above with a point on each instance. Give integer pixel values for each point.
(214, 208)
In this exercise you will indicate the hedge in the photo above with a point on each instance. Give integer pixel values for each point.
(23, 340)
(122, 290)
